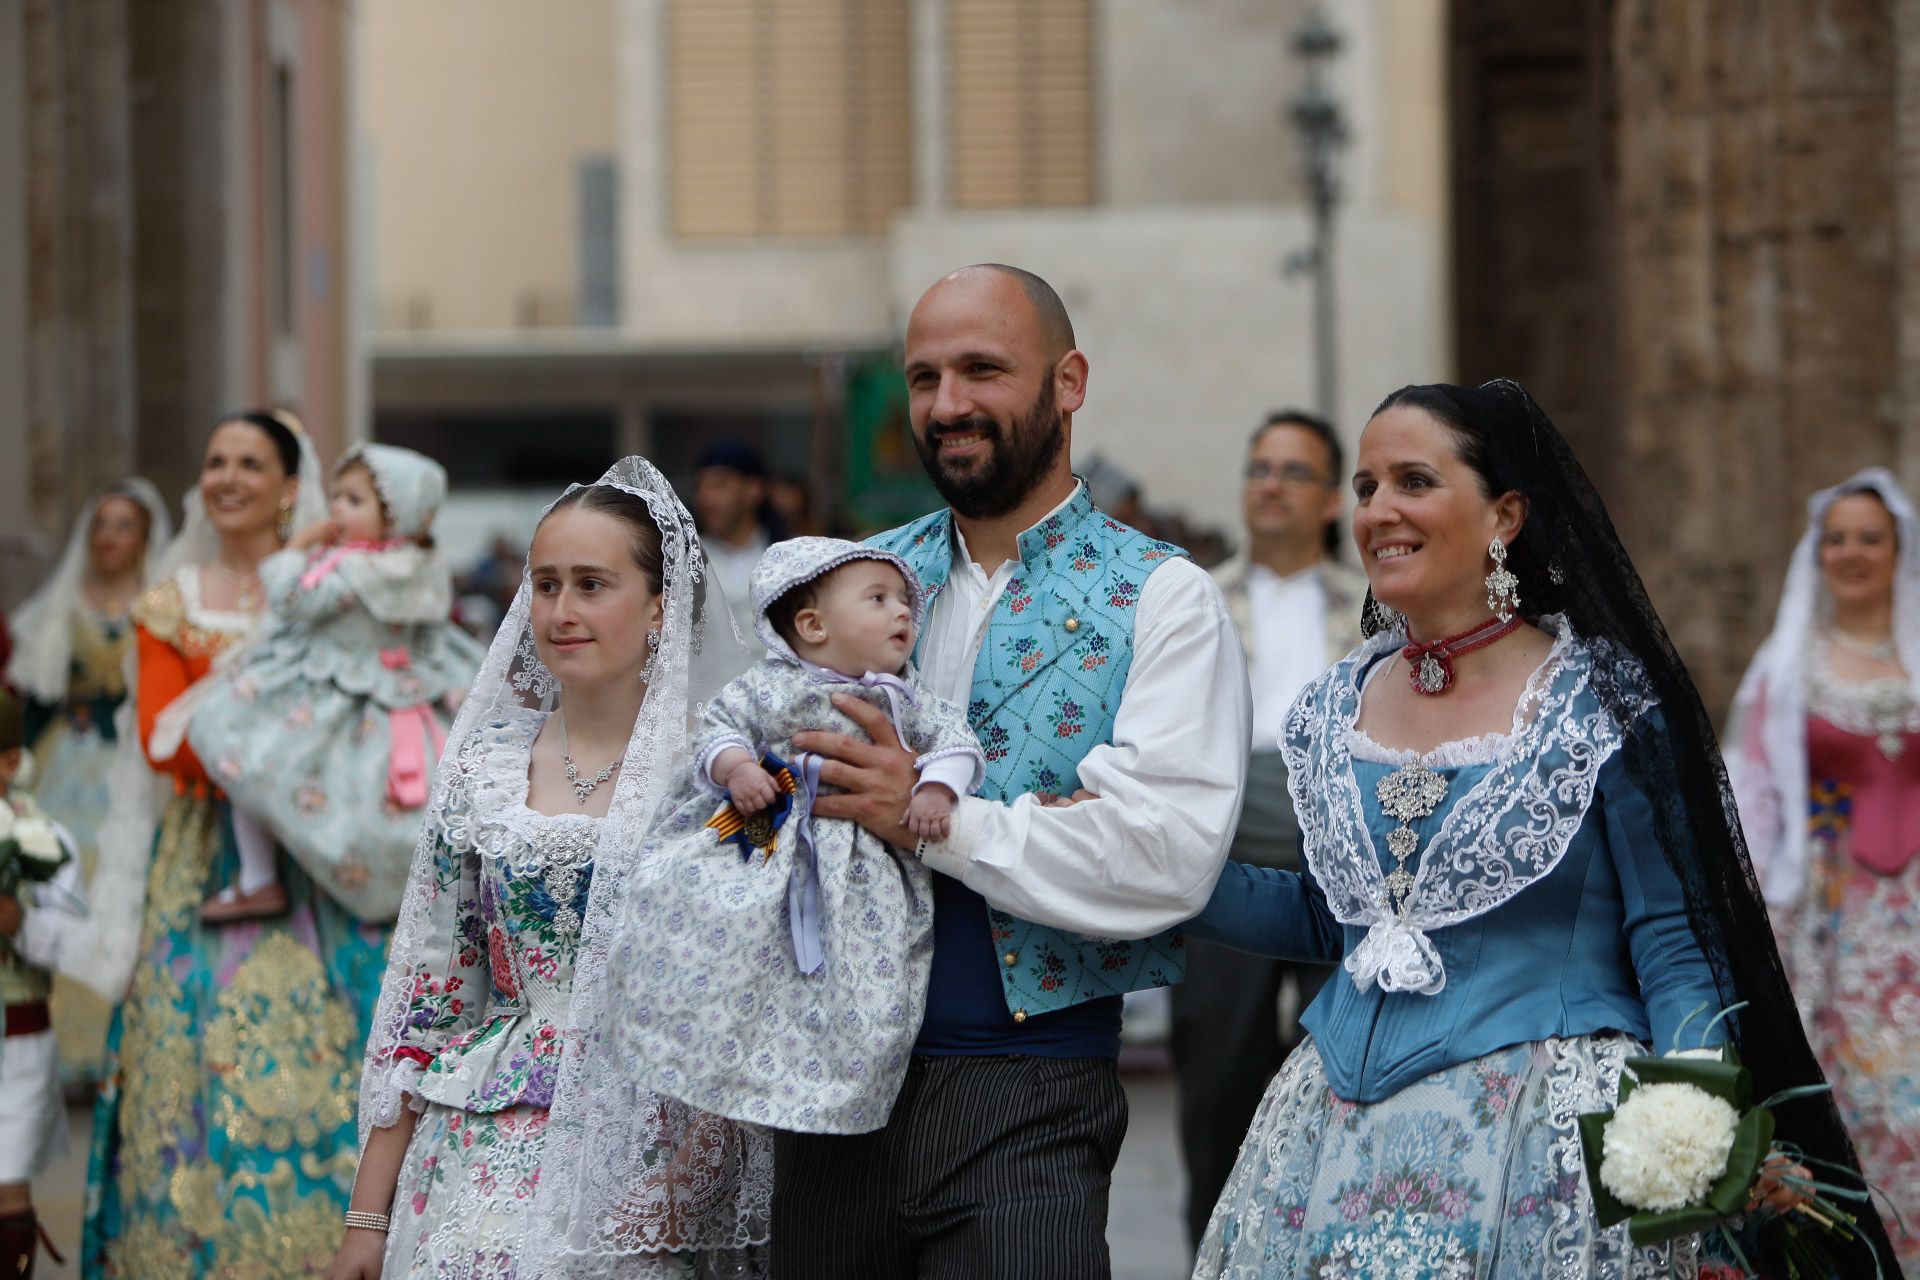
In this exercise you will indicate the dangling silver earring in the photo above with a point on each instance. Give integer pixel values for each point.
(653, 657)
(1503, 589)
(1376, 618)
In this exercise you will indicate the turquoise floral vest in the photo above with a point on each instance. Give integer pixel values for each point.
(1045, 690)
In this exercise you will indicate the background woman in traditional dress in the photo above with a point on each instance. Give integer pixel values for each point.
(72, 639)
(499, 1141)
(1518, 842)
(223, 1137)
(1826, 766)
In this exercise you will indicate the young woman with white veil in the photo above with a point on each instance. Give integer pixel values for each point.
(1825, 762)
(223, 1135)
(498, 1140)
(72, 639)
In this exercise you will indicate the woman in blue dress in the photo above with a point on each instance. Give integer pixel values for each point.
(1518, 844)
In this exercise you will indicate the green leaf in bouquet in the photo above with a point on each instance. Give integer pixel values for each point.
(1752, 1139)
(1593, 1131)
(1646, 1227)
(1728, 1081)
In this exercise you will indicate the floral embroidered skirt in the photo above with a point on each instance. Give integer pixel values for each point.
(1852, 951)
(1473, 1173)
(466, 1190)
(224, 1141)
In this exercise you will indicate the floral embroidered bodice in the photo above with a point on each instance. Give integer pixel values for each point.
(505, 913)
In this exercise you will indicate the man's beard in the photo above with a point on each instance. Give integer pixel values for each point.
(1018, 459)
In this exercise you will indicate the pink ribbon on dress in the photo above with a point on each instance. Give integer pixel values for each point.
(326, 564)
(408, 729)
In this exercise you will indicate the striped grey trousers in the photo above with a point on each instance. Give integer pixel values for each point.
(988, 1167)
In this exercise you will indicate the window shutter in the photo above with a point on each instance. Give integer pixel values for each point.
(787, 118)
(1020, 106)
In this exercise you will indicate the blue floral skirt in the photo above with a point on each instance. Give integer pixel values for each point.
(1472, 1173)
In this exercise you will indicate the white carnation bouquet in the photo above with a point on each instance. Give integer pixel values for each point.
(1684, 1150)
(30, 847)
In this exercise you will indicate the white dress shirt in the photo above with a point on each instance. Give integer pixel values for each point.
(1144, 856)
(1289, 645)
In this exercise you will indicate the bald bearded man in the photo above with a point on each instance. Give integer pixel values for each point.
(1091, 659)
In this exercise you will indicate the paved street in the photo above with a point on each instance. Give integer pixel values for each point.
(1148, 1240)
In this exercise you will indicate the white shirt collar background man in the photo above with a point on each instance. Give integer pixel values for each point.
(730, 506)
(1297, 609)
(1296, 605)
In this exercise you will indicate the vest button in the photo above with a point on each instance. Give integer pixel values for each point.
(1011, 959)
(1019, 1015)
(1073, 625)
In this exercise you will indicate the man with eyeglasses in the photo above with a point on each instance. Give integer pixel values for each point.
(1298, 611)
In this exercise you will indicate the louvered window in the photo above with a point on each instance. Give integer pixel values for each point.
(787, 118)
(1020, 102)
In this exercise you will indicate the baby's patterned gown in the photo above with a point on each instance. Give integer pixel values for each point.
(719, 1009)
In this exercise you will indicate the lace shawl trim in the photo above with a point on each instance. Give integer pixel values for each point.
(1865, 707)
(1461, 753)
(1509, 829)
(486, 809)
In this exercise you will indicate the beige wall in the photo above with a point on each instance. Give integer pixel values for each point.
(477, 113)
(1174, 276)
(803, 292)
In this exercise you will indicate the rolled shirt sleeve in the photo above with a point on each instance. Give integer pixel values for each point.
(1143, 856)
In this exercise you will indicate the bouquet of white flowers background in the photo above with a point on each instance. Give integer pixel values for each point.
(30, 846)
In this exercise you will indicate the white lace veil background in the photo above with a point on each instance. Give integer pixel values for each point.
(43, 625)
(624, 1174)
(103, 956)
(1767, 733)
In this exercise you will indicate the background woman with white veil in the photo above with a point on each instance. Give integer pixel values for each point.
(223, 1137)
(1825, 763)
(499, 1142)
(72, 639)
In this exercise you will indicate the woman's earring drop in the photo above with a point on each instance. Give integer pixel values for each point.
(1503, 589)
(653, 656)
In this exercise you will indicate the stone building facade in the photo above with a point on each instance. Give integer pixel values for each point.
(1693, 230)
(174, 242)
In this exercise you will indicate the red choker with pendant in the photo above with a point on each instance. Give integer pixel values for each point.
(1430, 665)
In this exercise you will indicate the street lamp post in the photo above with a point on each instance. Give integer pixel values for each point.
(1317, 114)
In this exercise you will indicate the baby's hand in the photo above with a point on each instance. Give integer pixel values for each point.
(1054, 800)
(750, 787)
(322, 533)
(930, 813)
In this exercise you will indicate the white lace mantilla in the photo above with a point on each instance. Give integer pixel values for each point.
(1511, 828)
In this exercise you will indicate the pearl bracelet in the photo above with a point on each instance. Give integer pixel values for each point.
(368, 1221)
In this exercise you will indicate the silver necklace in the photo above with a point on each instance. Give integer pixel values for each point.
(1409, 792)
(245, 585)
(1882, 651)
(582, 787)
